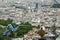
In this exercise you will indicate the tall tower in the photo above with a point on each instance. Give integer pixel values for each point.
(36, 7)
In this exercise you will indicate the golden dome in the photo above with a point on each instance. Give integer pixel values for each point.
(41, 33)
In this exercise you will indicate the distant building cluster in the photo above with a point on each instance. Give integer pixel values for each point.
(29, 11)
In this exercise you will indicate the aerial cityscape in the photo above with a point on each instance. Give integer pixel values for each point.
(24, 19)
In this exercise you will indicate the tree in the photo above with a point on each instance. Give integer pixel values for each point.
(26, 26)
(6, 22)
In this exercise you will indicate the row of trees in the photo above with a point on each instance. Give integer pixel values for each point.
(1, 36)
(6, 22)
(55, 6)
(23, 29)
